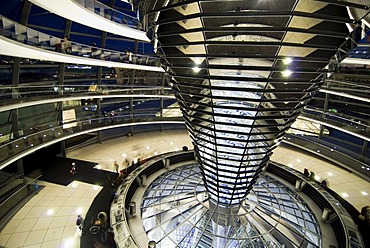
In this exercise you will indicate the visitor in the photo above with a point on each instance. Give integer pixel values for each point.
(116, 167)
(306, 172)
(79, 222)
(66, 46)
(73, 169)
(312, 176)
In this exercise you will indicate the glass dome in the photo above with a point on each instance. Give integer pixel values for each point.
(177, 212)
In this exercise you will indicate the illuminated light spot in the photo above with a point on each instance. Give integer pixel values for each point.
(124, 155)
(98, 167)
(290, 165)
(96, 187)
(155, 153)
(50, 212)
(198, 61)
(298, 160)
(345, 195)
(171, 143)
(176, 149)
(286, 73)
(363, 193)
(148, 147)
(79, 211)
(317, 178)
(74, 185)
(287, 61)
(330, 174)
(196, 69)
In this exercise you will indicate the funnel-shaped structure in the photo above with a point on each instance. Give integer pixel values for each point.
(242, 71)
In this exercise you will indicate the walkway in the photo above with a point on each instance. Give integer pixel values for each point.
(13, 48)
(33, 227)
(72, 11)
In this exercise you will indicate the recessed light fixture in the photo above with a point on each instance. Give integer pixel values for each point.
(197, 61)
(287, 61)
(50, 212)
(298, 160)
(330, 174)
(196, 69)
(124, 155)
(363, 193)
(286, 73)
(79, 211)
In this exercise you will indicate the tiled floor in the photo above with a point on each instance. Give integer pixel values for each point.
(48, 219)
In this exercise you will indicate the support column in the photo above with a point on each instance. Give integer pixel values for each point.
(67, 31)
(98, 82)
(15, 83)
(132, 82)
(60, 106)
(161, 101)
(325, 109)
(14, 112)
(364, 147)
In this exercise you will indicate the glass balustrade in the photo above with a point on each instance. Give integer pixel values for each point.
(16, 191)
(346, 122)
(14, 145)
(110, 13)
(329, 150)
(16, 94)
(25, 35)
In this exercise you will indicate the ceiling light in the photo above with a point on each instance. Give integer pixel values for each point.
(197, 61)
(363, 193)
(287, 61)
(345, 195)
(96, 187)
(196, 69)
(50, 212)
(286, 73)
(79, 211)
(124, 155)
(330, 174)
